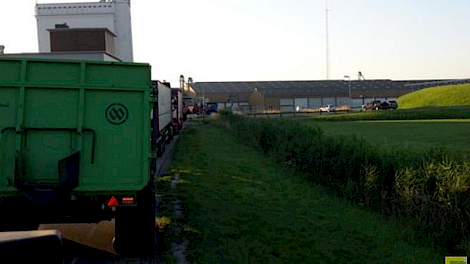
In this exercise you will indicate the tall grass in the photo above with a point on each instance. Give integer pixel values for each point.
(427, 188)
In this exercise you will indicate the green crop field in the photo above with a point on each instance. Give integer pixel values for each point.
(242, 207)
(456, 112)
(453, 135)
(453, 95)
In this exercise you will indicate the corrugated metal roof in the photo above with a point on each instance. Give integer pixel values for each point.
(320, 88)
(287, 88)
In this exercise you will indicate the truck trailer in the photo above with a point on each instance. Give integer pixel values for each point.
(177, 108)
(76, 146)
(163, 127)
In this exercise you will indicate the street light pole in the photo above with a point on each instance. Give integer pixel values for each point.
(182, 82)
(327, 55)
(349, 89)
(203, 102)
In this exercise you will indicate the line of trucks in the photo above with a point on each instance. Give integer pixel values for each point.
(79, 142)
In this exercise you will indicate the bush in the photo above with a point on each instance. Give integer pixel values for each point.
(428, 188)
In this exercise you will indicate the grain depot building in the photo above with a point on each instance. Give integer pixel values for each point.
(288, 96)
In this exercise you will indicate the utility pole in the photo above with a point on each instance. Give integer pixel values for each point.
(203, 102)
(182, 83)
(347, 77)
(327, 41)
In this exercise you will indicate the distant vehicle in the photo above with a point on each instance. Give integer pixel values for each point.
(211, 108)
(177, 109)
(393, 104)
(374, 105)
(384, 105)
(379, 105)
(328, 109)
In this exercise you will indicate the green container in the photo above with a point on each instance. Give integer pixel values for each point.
(74, 126)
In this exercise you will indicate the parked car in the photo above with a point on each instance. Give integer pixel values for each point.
(211, 108)
(393, 104)
(379, 105)
(374, 105)
(328, 109)
(384, 105)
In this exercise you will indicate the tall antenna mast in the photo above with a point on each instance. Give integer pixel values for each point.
(327, 41)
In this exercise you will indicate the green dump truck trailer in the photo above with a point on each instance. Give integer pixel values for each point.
(76, 146)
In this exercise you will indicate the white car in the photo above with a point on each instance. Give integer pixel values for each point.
(328, 108)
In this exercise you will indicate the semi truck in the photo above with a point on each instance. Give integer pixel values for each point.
(177, 108)
(78, 143)
(164, 115)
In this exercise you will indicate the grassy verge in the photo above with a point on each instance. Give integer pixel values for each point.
(462, 112)
(431, 187)
(242, 207)
(416, 135)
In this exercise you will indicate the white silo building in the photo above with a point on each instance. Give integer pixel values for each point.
(112, 16)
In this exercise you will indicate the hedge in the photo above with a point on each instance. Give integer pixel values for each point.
(428, 188)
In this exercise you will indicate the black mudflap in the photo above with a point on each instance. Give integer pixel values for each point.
(69, 172)
(135, 226)
(38, 200)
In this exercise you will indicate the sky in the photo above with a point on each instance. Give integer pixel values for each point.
(255, 40)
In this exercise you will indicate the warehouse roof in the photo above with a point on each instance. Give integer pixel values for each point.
(324, 88)
(296, 88)
(215, 87)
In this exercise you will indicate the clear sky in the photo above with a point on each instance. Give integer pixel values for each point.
(242, 40)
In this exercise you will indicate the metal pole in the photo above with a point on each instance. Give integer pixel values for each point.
(327, 41)
(203, 102)
(350, 92)
(350, 95)
(349, 89)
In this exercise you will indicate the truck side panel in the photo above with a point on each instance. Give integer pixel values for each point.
(180, 106)
(50, 110)
(8, 116)
(164, 105)
(119, 148)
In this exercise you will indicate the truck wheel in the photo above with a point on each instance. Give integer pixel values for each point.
(160, 149)
(170, 134)
(135, 226)
(176, 130)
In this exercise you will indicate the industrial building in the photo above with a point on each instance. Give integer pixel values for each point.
(289, 96)
(87, 31)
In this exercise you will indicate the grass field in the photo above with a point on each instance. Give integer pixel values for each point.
(453, 95)
(241, 207)
(458, 112)
(453, 135)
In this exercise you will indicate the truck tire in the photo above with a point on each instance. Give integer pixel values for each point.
(170, 134)
(177, 129)
(135, 226)
(160, 149)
